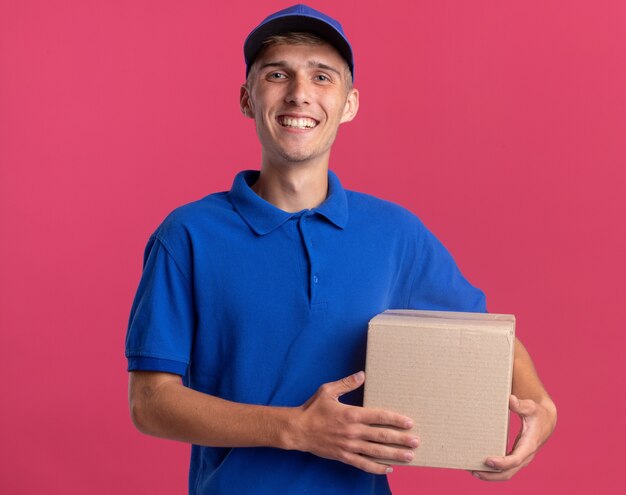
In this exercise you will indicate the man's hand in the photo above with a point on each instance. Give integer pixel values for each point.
(538, 422)
(361, 437)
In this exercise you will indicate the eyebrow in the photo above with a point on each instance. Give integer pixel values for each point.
(311, 64)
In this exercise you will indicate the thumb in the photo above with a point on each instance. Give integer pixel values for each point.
(345, 385)
(521, 407)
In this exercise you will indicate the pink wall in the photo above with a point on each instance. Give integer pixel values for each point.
(501, 124)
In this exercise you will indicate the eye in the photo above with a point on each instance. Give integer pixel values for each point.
(276, 75)
(322, 78)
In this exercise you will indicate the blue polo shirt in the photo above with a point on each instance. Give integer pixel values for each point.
(256, 305)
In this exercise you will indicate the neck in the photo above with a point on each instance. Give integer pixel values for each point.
(292, 188)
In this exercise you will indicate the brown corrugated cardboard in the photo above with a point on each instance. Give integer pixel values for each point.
(451, 372)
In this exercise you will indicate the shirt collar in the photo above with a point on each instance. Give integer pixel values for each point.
(263, 217)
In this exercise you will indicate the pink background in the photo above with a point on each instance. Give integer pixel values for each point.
(502, 124)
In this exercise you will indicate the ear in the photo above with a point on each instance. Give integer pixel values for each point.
(351, 107)
(245, 102)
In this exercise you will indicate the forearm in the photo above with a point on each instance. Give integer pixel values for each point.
(526, 382)
(162, 406)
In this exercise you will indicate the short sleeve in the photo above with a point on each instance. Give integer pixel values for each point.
(439, 284)
(162, 318)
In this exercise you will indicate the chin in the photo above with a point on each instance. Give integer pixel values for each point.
(296, 156)
(296, 159)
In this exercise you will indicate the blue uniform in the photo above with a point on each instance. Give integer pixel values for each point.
(257, 305)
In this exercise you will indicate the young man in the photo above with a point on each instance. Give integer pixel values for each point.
(259, 298)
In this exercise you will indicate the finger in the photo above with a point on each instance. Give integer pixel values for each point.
(521, 455)
(379, 451)
(504, 475)
(383, 417)
(489, 476)
(343, 386)
(522, 407)
(365, 464)
(391, 436)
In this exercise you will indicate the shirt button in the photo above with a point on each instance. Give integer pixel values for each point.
(315, 279)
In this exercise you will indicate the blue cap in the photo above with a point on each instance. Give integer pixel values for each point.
(301, 19)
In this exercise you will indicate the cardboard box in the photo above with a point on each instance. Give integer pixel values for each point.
(451, 372)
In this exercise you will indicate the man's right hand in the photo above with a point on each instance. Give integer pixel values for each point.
(354, 435)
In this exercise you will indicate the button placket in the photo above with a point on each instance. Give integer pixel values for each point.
(305, 227)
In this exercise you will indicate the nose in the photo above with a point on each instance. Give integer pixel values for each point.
(298, 91)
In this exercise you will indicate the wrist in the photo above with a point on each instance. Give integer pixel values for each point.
(549, 405)
(288, 431)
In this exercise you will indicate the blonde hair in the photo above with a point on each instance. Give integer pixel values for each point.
(291, 39)
(296, 38)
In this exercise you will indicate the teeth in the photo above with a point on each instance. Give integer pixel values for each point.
(300, 123)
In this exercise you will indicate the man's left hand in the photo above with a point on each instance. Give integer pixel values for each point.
(538, 422)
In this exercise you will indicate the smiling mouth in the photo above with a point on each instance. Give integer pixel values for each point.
(297, 122)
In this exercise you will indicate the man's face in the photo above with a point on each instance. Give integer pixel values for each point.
(298, 96)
